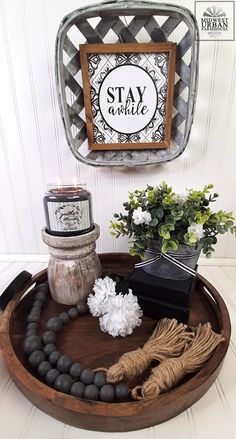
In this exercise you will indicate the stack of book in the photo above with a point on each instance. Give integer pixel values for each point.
(159, 297)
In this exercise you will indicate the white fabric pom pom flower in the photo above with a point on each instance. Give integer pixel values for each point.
(119, 314)
(104, 289)
(124, 314)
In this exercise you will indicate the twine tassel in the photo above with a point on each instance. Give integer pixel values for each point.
(169, 339)
(172, 370)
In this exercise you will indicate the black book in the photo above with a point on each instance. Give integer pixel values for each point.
(170, 291)
(157, 309)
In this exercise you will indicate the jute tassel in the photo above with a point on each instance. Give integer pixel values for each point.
(172, 370)
(169, 339)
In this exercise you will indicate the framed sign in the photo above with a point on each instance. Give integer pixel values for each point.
(128, 94)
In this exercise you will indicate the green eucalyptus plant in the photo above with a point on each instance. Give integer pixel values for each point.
(158, 214)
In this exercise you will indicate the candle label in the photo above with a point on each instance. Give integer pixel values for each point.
(69, 216)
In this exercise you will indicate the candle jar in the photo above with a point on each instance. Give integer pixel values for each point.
(68, 210)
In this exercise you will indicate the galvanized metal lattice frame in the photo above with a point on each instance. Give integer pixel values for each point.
(144, 15)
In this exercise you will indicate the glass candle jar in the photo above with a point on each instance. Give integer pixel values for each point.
(68, 210)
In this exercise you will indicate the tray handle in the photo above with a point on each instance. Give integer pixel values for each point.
(16, 285)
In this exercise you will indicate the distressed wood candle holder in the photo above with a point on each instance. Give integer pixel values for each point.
(73, 265)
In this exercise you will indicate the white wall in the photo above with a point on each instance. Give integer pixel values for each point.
(33, 149)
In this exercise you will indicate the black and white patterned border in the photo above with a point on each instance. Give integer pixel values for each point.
(156, 65)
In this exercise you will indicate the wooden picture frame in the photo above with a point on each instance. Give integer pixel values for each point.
(128, 94)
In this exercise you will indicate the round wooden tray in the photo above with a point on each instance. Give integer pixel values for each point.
(84, 341)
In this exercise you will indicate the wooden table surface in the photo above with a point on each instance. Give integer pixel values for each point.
(213, 416)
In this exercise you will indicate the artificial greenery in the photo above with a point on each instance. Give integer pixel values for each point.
(158, 214)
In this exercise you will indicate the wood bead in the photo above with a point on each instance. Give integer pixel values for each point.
(49, 348)
(122, 391)
(63, 383)
(54, 357)
(99, 379)
(33, 317)
(91, 392)
(107, 393)
(49, 337)
(64, 363)
(87, 376)
(36, 358)
(31, 344)
(77, 389)
(64, 317)
(32, 325)
(73, 313)
(31, 332)
(82, 307)
(51, 376)
(43, 368)
(37, 303)
(76, 370)
(54, 324)
(41, 296)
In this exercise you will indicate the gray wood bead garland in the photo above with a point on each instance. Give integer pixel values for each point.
(57, 369)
